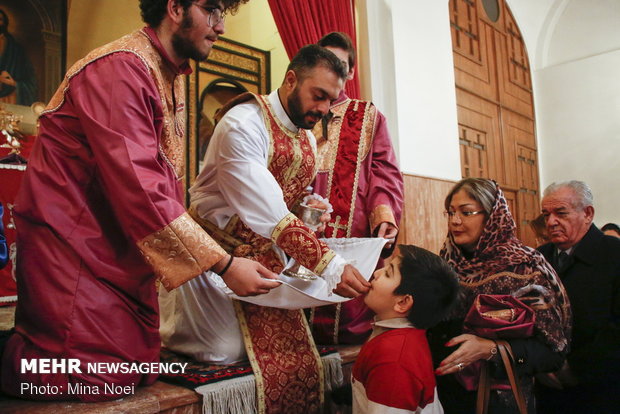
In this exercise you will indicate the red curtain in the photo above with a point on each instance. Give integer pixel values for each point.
(301, 22)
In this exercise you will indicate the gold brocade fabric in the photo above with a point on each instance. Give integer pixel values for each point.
(286, 363)
(345, 137)
(350, 133)
(382, 213)
(327, 147)
(301, 243)
(180, 251)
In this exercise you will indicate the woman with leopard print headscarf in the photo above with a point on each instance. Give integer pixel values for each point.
(483, 249)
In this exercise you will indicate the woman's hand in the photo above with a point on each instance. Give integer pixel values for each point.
(472, 349)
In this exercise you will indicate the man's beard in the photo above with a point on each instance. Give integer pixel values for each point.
(296, 112)
(184, 47)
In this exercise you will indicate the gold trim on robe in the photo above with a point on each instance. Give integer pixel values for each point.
(180, 251)
(381, 214)
(278, 342)
(296, 240)
(345, 141)
(329, 148)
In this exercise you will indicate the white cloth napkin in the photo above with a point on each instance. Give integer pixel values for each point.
(294, 293)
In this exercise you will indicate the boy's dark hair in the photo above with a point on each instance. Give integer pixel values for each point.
(153, 11)
(611, 226)
(430, 281)
(342, 41)
(311, 56)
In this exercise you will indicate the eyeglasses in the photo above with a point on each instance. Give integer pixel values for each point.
(461, 214)
(216, 15)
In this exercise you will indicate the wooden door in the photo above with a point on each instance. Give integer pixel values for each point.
(495, 104)
(479, 130)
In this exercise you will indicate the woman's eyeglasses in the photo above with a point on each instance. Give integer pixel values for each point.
(461, 214)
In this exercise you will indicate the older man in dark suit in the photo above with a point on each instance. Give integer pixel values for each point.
(588, 262)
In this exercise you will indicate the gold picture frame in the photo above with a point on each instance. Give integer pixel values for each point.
(232, 68)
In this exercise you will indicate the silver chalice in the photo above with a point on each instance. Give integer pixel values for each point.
(311, 216)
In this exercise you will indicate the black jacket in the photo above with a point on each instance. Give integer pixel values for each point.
(592, 281)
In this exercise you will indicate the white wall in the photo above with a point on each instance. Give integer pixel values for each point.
(94, 23)
(584, 28)
(376, 62)
(534, 19)
(412, 82)
(577, 100)
(578, 109)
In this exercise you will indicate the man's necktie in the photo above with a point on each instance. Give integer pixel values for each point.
(562, 261)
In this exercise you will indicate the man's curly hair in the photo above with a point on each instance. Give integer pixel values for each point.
(153, 11)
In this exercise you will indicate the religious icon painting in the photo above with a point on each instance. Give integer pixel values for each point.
(32, 49)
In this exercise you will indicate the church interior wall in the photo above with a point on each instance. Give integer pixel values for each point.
(425, 96)
(584, 29)
(92, 24)
(579, 128)
(406, 66)
(576, 92)
(376, 60)
(573, 46)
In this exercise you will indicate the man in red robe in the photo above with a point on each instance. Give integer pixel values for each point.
(358, 172)
(100, 215)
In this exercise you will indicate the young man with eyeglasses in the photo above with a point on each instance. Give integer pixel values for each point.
(100, 215)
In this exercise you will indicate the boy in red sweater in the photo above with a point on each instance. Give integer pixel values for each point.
(394, 370)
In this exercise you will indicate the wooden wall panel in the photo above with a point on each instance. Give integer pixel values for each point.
(518, 128)
(528, 209)
(522, 170)
(423, 223)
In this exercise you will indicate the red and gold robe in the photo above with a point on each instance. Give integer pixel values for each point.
(100, 218)
(286, 364)
(359, 173)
